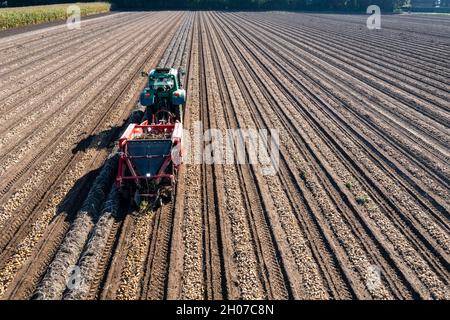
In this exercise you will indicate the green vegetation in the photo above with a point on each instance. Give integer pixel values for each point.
(424, 6)
(21, 16)
(319, 5)
(315, 5)
(362, 199)
(46, 10)
(303, 174)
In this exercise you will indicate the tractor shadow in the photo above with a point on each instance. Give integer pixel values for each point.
(107, 138)
(103, 140)
(97, 141)
(74, 199)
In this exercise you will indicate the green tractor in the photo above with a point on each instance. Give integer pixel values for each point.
(163, 96)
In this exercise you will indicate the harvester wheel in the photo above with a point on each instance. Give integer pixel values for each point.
(127, 196)
(149, 112)
(179, 112)
(172, 191)
(157, 203)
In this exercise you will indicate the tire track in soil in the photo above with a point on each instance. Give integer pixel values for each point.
(232, 231)
(21, 39)
(73, 101)
(50, 77)
(14, 197)
(415, 184)
(44, 117)
(288, 223)
(139, 269)
(188, 274)
(241, 266)
(25, 246)
(265, 252)
(427, 206)
(426, 250)
(155, 280)
(57, 47)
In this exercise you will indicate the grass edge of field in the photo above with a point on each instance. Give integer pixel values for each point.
(22, 16)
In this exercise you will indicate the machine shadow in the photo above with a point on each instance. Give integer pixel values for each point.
(107, 138)
(75, 198)
(97, 141)
(103, 140)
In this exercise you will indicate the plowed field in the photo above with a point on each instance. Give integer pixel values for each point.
(358, 207)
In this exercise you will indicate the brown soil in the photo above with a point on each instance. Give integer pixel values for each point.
(362, 183)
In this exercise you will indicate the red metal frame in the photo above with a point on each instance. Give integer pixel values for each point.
(133, 131)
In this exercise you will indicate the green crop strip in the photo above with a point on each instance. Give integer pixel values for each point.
(21, 16)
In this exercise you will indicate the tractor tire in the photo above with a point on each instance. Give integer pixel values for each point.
(125, 195)
(148, 114)
(179, 112)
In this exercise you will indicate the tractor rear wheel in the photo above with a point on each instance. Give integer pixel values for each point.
(149, 112)
(179, 112)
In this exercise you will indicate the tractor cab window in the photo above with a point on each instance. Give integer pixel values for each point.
(161, 82)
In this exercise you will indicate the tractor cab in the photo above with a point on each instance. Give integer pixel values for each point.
(163, 80)
(161, 83)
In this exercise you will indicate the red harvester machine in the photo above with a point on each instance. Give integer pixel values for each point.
(150, 154)
(149, 157)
